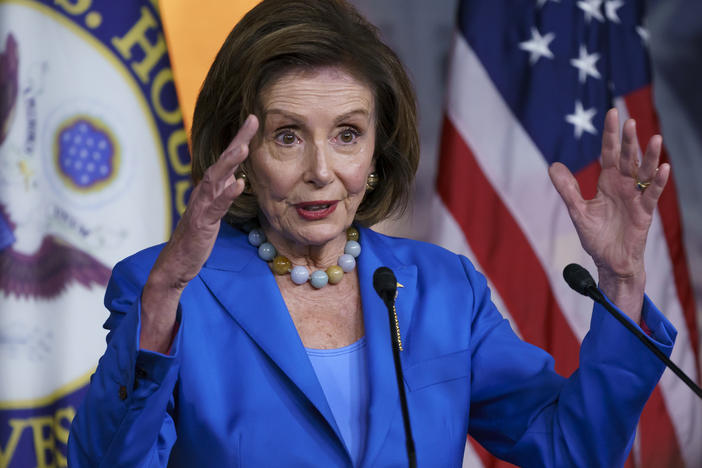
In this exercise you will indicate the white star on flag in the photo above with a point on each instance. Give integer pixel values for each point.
(544, 2)
(585, 64)
(537, 46)
(581, 120)
(611, 7)
(591, 8)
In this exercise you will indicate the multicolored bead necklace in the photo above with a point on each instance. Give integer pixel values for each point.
(300, 274)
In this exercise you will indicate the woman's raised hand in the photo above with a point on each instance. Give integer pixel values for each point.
(195, 234)
(613, 226)
(192, 241)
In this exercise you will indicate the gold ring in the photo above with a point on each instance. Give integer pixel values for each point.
(641, 186)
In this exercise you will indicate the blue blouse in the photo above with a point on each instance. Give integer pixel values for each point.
(343, 374)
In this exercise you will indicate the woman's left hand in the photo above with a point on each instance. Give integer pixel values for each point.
(613, 226)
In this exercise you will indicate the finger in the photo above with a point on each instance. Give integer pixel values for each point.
(650, 160)
(244, 135)
(208, 191)
(567, 187)
(221, 204)
(209, 202)
(653, 192)
(610, 139)
(628, 162)
(237, 150)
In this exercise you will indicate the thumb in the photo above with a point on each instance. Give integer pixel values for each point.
(566, 185)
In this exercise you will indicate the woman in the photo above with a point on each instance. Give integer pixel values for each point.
(214, 359)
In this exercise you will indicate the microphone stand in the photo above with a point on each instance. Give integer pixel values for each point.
(587, 287)
(385, 285)
(396, 348)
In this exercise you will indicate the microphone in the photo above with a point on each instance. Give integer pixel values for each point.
(579, 279)
(385, 285)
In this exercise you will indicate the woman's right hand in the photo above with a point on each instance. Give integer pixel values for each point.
(192, 241)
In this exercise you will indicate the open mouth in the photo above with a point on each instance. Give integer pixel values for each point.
(316, 210)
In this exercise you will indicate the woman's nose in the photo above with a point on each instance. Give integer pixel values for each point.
(319, 171)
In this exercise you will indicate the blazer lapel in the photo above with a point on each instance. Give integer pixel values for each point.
(384, 402)
(245, 287)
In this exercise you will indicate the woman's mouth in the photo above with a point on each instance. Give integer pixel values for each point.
(315, 210)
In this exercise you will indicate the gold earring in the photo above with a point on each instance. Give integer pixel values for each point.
(372, 181)
(247, 185)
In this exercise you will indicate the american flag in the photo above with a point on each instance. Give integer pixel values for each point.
(529, 84)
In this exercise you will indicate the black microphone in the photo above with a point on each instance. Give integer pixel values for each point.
(579, 279)
(385, 285)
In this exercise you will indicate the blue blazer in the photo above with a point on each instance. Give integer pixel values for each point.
(238, 389)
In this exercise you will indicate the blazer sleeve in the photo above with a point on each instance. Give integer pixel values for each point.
(125, 419)
(525, 413)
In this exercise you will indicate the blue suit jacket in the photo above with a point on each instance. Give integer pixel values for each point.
(239, 390)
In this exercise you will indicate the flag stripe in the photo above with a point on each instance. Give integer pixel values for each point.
(659, 445)
(511, 163)
(487, 460)
(587, 179)
(640, 106)
(450, 235)
(497, 241)
(471, 459)
(684, 408)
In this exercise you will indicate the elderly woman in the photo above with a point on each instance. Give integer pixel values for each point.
(254, 337)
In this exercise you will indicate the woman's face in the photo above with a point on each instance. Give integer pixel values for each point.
(310, 169)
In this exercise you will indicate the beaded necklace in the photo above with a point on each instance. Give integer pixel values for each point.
(299, 274)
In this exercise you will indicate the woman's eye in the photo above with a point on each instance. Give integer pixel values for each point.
(348, 135)
(286, 138)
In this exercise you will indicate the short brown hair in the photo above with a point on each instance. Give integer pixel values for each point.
(278, 36)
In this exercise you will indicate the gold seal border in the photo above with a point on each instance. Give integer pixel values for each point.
(54, 396)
